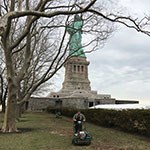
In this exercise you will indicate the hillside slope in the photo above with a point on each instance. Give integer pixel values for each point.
(42, 131)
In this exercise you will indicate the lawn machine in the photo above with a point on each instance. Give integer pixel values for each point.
(81, 136)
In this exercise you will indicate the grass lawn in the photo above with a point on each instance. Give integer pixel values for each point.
(42, 131)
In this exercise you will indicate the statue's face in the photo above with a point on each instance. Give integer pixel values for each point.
(77, 17)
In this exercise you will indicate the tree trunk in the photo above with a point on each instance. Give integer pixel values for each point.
(18, 111)
(3, 106)
(22, 106)
(9, 124)
(4, 100)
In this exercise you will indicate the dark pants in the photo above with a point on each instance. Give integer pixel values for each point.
(77, 127)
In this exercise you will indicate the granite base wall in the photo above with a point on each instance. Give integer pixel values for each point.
(40, 104)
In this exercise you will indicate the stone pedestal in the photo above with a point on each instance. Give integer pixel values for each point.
(76, 75)
(76, 90)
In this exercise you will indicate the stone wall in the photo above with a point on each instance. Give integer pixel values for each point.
(76, 102)
(40, 104)
(127, 102)
(105, 101)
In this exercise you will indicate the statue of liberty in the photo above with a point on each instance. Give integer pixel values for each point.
(75, 31)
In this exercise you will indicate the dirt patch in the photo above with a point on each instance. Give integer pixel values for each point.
(62, 132)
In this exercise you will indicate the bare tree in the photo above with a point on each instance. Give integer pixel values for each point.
(3, 89)
(3, 82)
(18, 30)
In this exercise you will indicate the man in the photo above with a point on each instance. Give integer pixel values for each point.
(78, 118)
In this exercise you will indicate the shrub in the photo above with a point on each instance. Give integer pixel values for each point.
(131, 120)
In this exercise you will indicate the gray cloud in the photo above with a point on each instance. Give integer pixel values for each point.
(122, 67)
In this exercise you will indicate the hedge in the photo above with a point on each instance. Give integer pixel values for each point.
(130, 120)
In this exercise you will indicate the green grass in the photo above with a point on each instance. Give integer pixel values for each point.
(42, 131)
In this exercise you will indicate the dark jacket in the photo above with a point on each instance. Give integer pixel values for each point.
(79, 117)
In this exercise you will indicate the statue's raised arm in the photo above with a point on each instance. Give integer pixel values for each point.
(75, 31)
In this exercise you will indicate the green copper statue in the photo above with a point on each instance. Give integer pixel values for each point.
(75, 31)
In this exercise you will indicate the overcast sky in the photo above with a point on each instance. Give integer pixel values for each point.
(122, 67)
